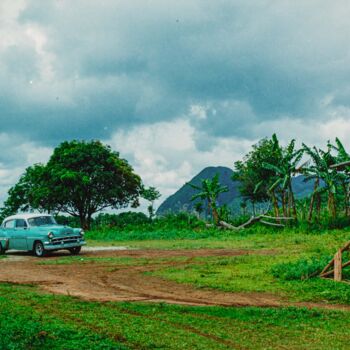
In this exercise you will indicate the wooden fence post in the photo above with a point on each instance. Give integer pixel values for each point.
(338, 266)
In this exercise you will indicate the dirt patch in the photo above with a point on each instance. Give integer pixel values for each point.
(112, 282)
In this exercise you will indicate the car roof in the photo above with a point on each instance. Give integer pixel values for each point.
(25, 216)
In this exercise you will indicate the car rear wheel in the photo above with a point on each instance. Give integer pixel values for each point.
(75, 250)
(39, 250)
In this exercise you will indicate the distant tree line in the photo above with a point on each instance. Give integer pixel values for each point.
(265, 175)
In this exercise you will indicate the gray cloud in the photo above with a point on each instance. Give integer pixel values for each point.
(122, 64)
(84, 69)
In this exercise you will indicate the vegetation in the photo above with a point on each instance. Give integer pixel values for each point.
(151, 194)
(283, 263)
(81, 178)
(209, 191)
(266, 174)
(255, 179)
(32, 320)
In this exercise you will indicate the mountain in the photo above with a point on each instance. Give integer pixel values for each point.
(181, 200)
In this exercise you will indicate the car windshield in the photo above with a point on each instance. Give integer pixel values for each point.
(42, 221)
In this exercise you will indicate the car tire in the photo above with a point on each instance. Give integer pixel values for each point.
(39, 249)
(2, 249)
(75, 250)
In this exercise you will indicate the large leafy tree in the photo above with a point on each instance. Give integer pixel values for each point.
(256, 180)
(209, 191)
(81, 178)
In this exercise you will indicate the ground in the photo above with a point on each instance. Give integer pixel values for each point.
(174, 294)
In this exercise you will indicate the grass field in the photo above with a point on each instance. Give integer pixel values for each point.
(31, 319)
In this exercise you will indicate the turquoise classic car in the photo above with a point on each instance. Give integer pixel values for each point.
(40, 234)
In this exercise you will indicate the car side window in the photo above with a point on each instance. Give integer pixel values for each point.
(9, 224)
(21, 223)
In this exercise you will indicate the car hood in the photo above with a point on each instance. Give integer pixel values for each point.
(57, 230)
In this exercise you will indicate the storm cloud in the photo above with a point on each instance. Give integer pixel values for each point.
(230, 71)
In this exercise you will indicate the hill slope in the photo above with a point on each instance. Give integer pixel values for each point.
(181, 200)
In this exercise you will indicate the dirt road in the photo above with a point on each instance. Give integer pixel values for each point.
(108, 281)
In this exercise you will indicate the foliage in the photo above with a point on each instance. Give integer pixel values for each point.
(300, 270)
(121, 220)
(151, 194)
(31, 191)
(209, 191)
(285, 169)
(138, 226)
(255, 180)
(81, 178)
(320, 169)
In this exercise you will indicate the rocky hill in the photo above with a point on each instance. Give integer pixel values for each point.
(181, 200)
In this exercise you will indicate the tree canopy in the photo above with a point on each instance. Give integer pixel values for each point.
(255, 180)
(80, 178)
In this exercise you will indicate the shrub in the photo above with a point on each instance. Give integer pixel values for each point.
(300, 270)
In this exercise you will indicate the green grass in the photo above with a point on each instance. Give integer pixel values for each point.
(33, 320)
(257, 273)
(123, 261)
(30, 319)
(254, 273)
(250, 239)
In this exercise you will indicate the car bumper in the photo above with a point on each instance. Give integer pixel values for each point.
(50, 246)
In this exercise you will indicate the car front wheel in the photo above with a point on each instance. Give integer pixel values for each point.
(75, 250)
(39, 250)
(2, 249)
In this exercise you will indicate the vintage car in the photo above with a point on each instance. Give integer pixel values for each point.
(40, 234)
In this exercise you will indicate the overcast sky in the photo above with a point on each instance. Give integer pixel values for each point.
(174, 86)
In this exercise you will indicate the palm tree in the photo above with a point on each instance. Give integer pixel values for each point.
(209, 191)
(320, 170)
(284, 171)
(343, 157)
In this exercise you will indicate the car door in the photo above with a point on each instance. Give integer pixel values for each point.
(9, 227)
(19, 237)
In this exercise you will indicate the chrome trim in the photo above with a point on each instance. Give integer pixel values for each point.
(63, 246)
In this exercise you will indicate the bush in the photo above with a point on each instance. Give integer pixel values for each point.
(300, 270)
(120, 220)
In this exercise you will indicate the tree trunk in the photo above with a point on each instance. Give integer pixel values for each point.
(292, 201)
(284, 203)
(312, 201)
(85, 222)
(346, 189)
(275, 204)
(215, 215)
(332, 205)
(318, 206)
(347, 195)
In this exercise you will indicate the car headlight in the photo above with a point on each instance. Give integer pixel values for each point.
(82, 233)
(50, 235)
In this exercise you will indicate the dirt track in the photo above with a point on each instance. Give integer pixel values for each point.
(108, 281)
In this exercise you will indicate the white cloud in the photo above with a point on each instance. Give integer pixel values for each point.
(166, 156)
(17, 154)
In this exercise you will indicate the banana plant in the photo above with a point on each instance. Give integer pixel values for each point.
(343, 156)
(287, 167)
(320, 170)
(210, 190)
